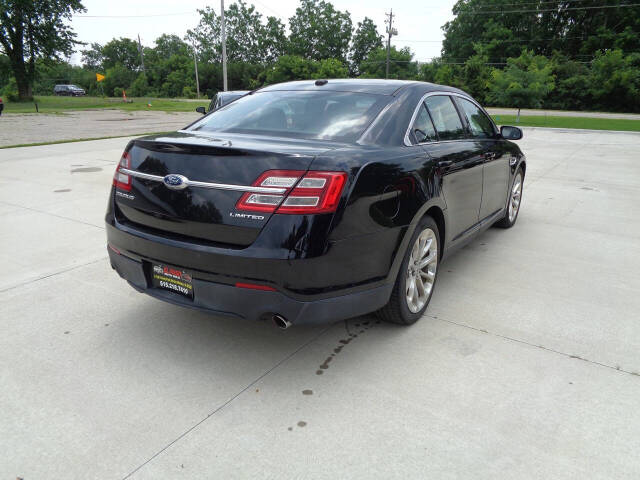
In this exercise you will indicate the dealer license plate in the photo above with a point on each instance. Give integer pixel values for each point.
(173, 279)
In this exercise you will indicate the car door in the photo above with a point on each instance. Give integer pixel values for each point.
(459, 164)
(495, 178)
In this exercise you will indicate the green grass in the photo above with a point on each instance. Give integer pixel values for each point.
(53, 104)
(569, 122)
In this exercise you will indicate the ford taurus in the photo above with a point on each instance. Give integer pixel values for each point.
(313, 201)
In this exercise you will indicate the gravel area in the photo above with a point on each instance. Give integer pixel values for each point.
(25, 128)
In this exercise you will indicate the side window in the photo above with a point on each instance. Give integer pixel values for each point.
(479, 123)
(422, 129)
(445, 117)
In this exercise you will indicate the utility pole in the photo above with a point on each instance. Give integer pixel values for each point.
(141, 55)
(390, 31)
(195, 64)
(224, 47)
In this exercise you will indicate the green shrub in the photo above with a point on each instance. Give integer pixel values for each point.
(188, 92)
(10, 91)
(140, 86)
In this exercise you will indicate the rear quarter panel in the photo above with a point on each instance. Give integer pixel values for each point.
(389, 190)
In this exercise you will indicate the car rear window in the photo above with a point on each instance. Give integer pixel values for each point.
(338, 116)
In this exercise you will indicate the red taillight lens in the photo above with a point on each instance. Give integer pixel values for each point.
(122, 180)
(316, 192)
(268, 202)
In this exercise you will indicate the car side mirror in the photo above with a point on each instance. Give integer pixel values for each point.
(510, 133)
(201, 110)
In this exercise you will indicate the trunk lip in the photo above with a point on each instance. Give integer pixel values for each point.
(246, 142)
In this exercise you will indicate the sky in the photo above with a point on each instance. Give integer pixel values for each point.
(418, 23)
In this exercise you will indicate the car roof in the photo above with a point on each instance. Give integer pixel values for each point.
(360, 85)
(234, 92)
(356, 85)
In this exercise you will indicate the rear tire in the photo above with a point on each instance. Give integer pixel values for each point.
(416, 279)
(513, 202)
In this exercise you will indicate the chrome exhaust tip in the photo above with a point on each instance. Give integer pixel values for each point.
(280, 322)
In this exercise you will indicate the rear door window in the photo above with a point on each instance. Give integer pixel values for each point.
(445, 117)
(479, 124)
(422, 129)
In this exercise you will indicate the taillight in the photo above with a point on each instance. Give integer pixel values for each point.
(122, 180)
(308, 193)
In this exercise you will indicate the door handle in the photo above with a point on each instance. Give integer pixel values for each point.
(490, 155)
(444, 163)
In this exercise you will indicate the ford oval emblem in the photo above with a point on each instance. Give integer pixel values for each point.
(175, 182)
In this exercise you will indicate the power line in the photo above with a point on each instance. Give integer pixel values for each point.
(137, 16)
(488, 5)
(496, 39)
(269, 8)
(548, 10)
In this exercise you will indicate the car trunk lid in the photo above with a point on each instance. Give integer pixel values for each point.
(201, 212)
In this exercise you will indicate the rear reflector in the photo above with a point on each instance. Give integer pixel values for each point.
(309, 193)
(122, 180)
(255, 286)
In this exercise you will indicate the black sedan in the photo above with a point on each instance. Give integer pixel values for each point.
(313, 201)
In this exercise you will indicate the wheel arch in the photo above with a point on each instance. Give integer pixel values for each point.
(437, 214)
(436, 209)
(523, 166)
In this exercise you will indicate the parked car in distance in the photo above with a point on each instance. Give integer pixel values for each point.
(68, 90)
(221, 99)
(313, 201)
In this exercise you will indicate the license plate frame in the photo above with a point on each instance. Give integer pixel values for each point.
(172, 279)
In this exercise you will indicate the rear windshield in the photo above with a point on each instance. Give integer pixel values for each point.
(337, 116)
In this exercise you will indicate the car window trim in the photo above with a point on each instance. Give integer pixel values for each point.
(433, 125)
(407, 139)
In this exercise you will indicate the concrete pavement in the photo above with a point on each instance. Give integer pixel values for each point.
(525, 366)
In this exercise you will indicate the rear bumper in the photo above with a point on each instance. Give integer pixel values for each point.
(228, 300)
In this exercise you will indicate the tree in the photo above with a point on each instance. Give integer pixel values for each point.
(401, 64)
(475, 75)
(5, 69)
(170, 45)
(294, 67)
(123, 51)
(573, 29)
(140, 86)
(117, 77)
(364, 41)
(525, 82)
(319, 31)
(572, 85)
(34, 29)
(248, 38)
(614, 81)
(92, 57)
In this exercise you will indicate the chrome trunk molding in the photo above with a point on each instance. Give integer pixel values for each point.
(210, 185)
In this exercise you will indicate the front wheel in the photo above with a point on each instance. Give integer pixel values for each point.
(417, 276)
(513, 205)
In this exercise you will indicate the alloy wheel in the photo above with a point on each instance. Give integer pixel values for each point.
(421, 271)
(516, 195)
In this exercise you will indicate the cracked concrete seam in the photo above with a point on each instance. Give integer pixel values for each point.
(617, 368)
